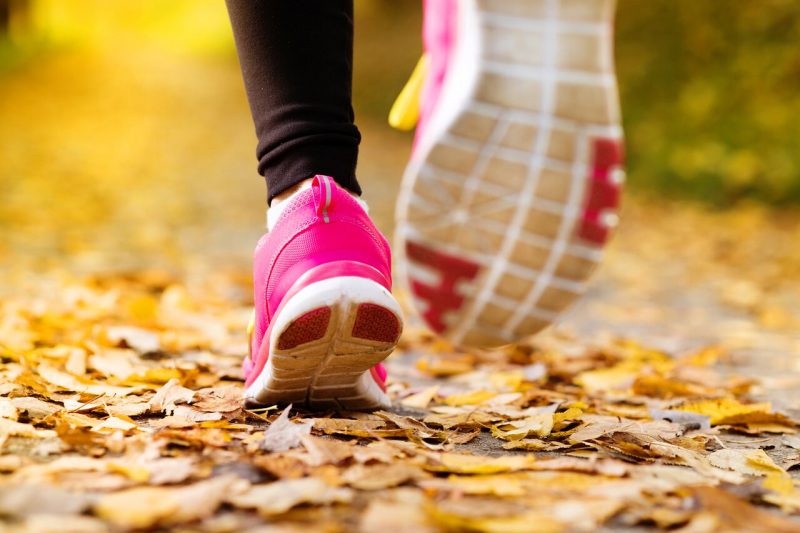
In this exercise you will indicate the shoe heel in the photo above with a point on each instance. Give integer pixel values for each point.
(326, 338)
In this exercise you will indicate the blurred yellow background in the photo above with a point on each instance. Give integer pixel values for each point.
(124, 124)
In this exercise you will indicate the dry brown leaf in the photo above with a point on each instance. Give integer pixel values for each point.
(749, 462)
(280, 496)
(7, 409)
(492, 516)
(605, 467)
(22, 499)
(598, 425)
(422, 399)
(76, 362)
(459, 418)
(141, 340)
(539, 425)
(380, 476)
(398, 511)
(145, 507)
(69, 382)
(283, 434)
(133, 408)
(34, 407)
(357, 428)
(730, 513)
(322, 451)
(12, 428)
(114, 363)
(459, 463)
(168, 396)
(223, 399)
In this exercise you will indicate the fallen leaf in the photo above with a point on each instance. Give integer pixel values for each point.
(224, 399)
(422, 399)
(728, 411)
(283, 434)
(470, 398)
(141, 340)
(7, 409)
(324, 451)
(357, 428)
(114, 363)
(34, 407)
(280, 496)
(686, 419)
(398, 511)
(458, 463)
(145, 507)
(12, 428)
(168, 396)
(69, 382)
(76, 362)
(491, 516)
(380, 476)
(539, 425)
(750, 462)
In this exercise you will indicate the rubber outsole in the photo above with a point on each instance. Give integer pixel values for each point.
(514, 185)
(325, 344)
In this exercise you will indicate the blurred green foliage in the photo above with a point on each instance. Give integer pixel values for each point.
(710, 89)
(711, 97)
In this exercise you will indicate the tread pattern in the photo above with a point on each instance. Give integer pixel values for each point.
(323, 357)
(515, 185)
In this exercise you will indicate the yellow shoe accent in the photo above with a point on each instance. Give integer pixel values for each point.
(405, 110)
(251, 326)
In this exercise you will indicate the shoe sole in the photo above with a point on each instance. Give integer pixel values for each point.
(324, 343)
(514, 185)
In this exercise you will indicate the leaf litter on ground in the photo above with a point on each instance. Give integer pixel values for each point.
(128, 426)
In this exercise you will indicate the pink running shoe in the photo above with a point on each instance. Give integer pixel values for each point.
(514, 183)
(324, 314)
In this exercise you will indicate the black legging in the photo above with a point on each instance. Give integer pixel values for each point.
(297, 62)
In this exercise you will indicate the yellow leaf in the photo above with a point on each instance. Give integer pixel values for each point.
(131, 471)
(750, 462)
(729, 411)
(458, 463)
(445, 364)
(509, 381)
(470, 398)
(656, 386)
(704, 357)
(70, 382)
(570, 414)
(540, 425)
(779, 482)
(143, 308)
(503, 485)
(760, 460)
(155, 375)
(620, 376)
(523, 522)
(422, 399)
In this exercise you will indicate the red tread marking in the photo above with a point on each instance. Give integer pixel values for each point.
(443, 297)
(306, 328)
(376, 323)
(603, 194)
